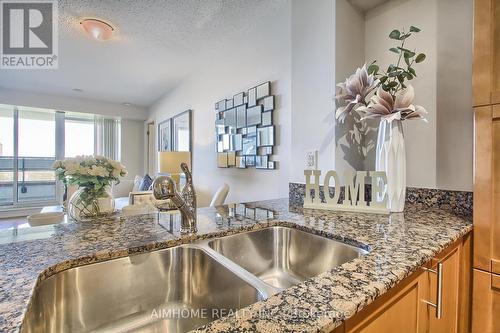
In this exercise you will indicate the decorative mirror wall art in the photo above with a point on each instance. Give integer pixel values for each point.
(174, 134)
(244, 129)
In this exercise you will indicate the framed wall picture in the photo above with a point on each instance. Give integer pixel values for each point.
(181, 131)
(165, 135)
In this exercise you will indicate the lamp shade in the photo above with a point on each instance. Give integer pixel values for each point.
(170, 161)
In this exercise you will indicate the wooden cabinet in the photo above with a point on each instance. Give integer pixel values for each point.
(405, 308)
(486, 60)
(486, 311)
(450, 288)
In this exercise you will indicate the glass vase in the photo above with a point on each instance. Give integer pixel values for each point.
(86, 205)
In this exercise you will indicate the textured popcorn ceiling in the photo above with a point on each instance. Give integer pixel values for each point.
(158, 43)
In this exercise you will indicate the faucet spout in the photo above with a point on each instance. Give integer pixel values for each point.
(164, 188)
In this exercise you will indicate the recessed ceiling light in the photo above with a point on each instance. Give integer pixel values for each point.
(77, 89)
(127, 104)
(97, 29)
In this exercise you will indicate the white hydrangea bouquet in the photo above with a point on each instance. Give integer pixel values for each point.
(93, 175)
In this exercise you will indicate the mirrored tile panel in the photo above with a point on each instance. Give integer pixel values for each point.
(245, 133)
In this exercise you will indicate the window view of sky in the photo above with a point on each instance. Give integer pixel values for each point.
(6, 133)
(79, 138)
(37, 135)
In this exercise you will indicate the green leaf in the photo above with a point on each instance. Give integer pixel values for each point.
(409, 54)
(391, 68)
(407, 60)
(403, 37)
(403, 49)
(373, 69)
(414, 29)
(412, 71)
(420, 58)
(392, 84)
(395, 73)
(394, 49)
(395, 34)
(384, 78)
(409, 76)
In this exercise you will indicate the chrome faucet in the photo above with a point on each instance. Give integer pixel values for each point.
(164, 188)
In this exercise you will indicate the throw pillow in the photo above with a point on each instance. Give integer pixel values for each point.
(145, 183)
(137, 183)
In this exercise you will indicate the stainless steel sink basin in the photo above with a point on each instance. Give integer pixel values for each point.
(181, 288)
(282, 257)
(172, 290)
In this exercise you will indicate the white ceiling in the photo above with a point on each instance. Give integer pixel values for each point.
(158, 43)
(366, 5)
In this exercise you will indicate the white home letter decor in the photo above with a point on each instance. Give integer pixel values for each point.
(354, 196)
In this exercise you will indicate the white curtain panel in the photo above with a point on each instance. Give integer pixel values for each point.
(107, 137)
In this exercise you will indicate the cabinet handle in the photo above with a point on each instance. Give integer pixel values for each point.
(439, 294)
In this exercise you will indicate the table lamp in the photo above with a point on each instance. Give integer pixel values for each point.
(170, 162)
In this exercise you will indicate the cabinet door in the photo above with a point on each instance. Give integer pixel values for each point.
(486, 302)
(486, 59)
(395, 312)
(449, 297)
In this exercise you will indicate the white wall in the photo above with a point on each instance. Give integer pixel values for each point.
(454, 95)
(259, 55)
(349, 55)
(68, 103)
(420, 137)
(132, 145)
(439, 153)
(313, 83)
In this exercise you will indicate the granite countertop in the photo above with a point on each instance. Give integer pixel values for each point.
(398, 245)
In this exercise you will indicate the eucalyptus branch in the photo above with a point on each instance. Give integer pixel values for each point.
(395, 78)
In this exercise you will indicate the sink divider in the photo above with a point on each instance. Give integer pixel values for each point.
(265, 289)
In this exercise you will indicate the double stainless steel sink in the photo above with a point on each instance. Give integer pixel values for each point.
(184, 287)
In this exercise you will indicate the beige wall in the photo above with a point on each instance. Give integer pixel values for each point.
(75, 104)
(349, 55)
(262, 54)
(312, 70)
(454, 95)
(132, 143)
(420, 137)
(439, 153)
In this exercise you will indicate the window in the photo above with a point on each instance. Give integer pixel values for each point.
(6, 154)
(36, 143)
(78, 135)
(32, 138)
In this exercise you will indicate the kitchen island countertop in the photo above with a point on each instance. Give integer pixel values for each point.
(398, 245)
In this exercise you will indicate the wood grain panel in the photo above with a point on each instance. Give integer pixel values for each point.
(496, 110)
(482, 214)
(495, 266)
(451, 273)
(486, 304)
(395, 312)
(495, 222)
(465, 291)
(482, 59)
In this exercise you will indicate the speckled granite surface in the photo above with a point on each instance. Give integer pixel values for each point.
(399, 244)
(459, 202)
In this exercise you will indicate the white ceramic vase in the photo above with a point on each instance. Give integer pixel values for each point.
(391, 158)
